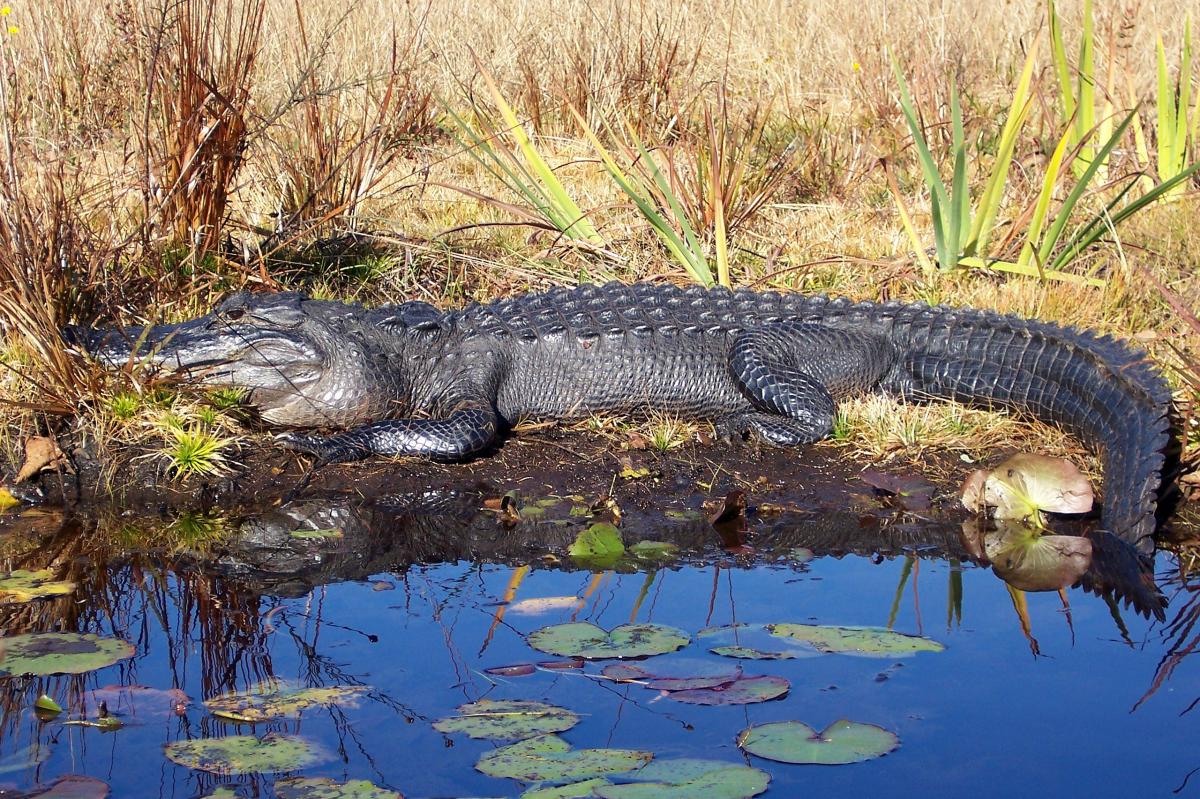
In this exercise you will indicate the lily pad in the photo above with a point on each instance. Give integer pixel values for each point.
(601, 543)
(751, 642)
(680, 674)
(871, 642)
(655, 551)
(580, 639)
(23, 585)
(549, 758)
(273, 700)
(576, 790)
(507, 719)
(1025, 484)
(742, 691)
(245, 754)
(60, 653)
(686, 778)
(325, 788)
(1030, 561)
(840, 743)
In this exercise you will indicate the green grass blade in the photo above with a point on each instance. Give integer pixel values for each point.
(1092, 232)
(573, 221)
(1068, 206)
(945, 261)
(993, 193)
(1061, 68)
(933, 178)
(1042, 208)
(960, 197)
(1085, 117)
(1165, 120)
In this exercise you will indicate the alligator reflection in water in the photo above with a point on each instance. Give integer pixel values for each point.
(215, 617)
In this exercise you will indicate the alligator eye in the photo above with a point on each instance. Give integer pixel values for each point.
(234, 314)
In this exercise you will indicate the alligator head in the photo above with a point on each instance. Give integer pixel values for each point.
(300, 362)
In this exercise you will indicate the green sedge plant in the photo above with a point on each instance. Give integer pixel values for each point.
(659, 204)
(523, 170)
(1172, 119)
(1077, 91)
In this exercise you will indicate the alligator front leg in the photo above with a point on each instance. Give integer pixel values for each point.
(793, 373)
(466, 431)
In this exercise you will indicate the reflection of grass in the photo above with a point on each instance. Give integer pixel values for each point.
(190, 531)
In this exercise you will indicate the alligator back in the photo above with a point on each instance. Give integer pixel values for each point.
(676, 343)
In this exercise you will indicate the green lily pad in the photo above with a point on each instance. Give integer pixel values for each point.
(1026, 484)
(325, 788)
(25, 586)
(686, 778)
(655, 551)
(680, 674)
(549, 758)
(600, 543)
(273, 700)
(840, 743)
(871, 642)
(742, 691)
(60, 653)
(583, 640)
(505, 719)
(26, 757)
(245, 754)
(576, 790)
(751, 642)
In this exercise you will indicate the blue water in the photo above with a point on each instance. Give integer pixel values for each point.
(986, 717)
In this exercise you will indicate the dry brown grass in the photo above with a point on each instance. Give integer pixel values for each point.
(162, 152)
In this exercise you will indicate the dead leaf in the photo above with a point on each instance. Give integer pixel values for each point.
(41, 454)
(637, 441)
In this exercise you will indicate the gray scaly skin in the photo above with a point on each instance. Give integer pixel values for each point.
(410, 380)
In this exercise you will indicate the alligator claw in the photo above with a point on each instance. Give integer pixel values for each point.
(299, 442)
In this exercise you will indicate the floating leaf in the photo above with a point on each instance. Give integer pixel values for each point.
(507, 719)
(25, 586)
(751, 642)
(245, 754)
(742, 691)
(600, 543)
(74, 786)
(549, 758)
(656, 551)
(1030, 561)
(687, 778)
(275, 699)
(680, 674)
(840, 743)
(60, 653)
(7, 500)
(576, 790)
(580, 639)
(1025, 484)
(859, 641)
(46, 704)
(516, 670)
(910, 491)
(544, 604)
(325, 788)
(27, 757)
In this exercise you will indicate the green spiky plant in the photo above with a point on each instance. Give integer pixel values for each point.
(193, 450)
(1174, 134)
(1077, 92)
(523, 170)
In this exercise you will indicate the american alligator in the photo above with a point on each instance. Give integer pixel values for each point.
(410, 379)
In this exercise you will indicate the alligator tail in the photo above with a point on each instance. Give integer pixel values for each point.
(1100, 389)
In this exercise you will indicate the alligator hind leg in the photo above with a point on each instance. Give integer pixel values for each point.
(794, 373)
(463, 433)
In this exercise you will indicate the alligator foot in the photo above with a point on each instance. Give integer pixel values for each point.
(779, 431)
(326, 449)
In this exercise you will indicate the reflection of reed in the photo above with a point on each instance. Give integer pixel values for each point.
(140, 598)
(1181, 634)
